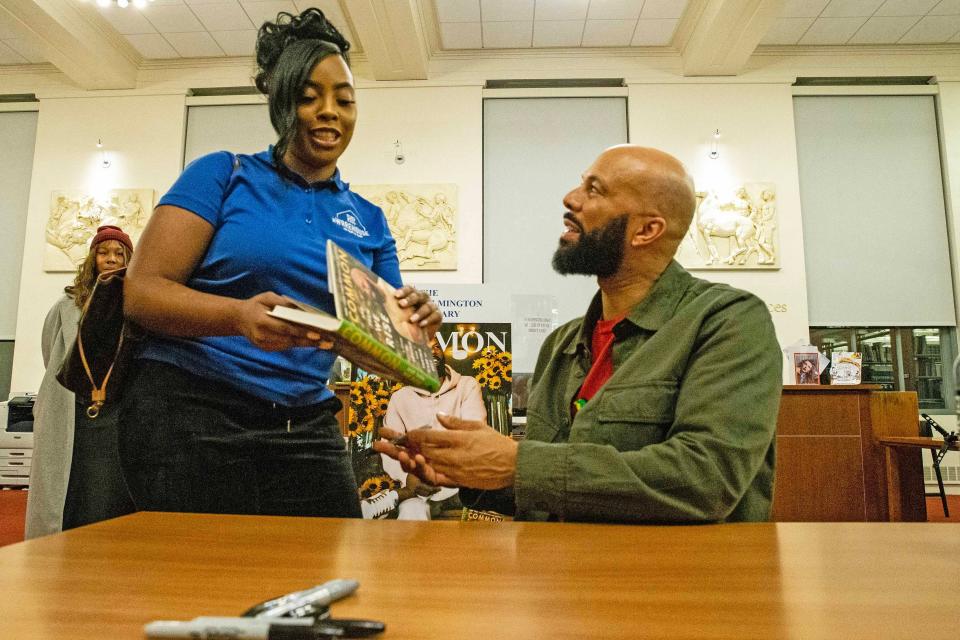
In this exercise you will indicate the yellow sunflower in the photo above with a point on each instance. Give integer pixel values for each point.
(369, 487)
(367, 423)
(356, 396)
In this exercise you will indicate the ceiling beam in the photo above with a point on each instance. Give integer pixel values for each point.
(77, 40)
(726, 35)
(392, 37)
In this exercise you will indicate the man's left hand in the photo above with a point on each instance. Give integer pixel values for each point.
(468, 454)
(425, 312)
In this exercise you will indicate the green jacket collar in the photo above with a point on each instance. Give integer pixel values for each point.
(651, 313)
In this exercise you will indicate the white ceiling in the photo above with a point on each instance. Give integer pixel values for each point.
(852, 22)
(186, 28)
(168, 29)
(521, 24)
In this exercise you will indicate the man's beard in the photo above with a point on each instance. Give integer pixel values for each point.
(596, 253)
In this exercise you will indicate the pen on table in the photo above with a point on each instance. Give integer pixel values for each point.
(226, 628)
(401, 440)
(242, 628)
(318, 596)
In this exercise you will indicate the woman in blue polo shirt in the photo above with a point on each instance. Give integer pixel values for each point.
(228, 411)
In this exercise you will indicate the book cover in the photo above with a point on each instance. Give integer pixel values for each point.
(846, 367)
(474, 363)
(371, 327)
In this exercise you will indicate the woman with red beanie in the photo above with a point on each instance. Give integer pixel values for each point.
(75, 474)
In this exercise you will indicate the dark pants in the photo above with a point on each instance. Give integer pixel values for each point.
(96, 490)
(191, 444)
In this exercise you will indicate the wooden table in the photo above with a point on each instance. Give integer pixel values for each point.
(485, 580)
(905, 489)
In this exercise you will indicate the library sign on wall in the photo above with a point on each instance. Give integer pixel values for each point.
(735, 230)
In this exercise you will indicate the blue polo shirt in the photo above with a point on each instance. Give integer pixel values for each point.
(270, 234)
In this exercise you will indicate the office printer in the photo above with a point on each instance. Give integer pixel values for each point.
(16, 439)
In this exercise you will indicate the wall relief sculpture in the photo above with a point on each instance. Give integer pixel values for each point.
(738, 231)
(423, 221)
(74, 218)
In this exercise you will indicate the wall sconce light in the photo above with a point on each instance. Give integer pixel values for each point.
(398, 156)
(715, 145)
(104, 160)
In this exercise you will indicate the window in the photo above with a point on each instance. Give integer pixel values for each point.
(900, 359)
(18, 132)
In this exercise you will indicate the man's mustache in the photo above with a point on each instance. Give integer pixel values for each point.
(569, 216)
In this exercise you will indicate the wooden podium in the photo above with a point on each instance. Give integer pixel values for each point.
(830, 465)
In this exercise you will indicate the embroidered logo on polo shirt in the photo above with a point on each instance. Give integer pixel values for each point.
(349, 222)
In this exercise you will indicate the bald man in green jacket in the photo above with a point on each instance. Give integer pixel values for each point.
(658, 406)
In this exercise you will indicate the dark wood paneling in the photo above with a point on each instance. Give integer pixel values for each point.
(819, 413)
(887, 414)
(905, 497)
(806, 492)
(819, 476)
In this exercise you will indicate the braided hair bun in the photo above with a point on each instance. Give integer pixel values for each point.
(274, 37)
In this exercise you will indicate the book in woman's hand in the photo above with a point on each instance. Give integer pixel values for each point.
(371, 329)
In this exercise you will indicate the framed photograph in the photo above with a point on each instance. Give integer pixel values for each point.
(806, 368)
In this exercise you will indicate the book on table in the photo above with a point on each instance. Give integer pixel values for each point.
(370, 328)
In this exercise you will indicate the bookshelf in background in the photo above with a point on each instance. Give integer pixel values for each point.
(877, 346)
(899, 359)
(923, 357)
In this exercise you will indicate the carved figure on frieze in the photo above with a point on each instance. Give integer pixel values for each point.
(737, 231)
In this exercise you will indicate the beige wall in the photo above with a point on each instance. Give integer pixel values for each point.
(441, 132)
(143, 136)
(949, 112)
(757, 144)
(439, 123)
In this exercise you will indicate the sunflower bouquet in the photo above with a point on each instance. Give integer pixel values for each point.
(494, 373)
(369, 398)
(494, 368)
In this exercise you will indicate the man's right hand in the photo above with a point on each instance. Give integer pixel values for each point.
(466, 453)
(405, 455)
(273, 334)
